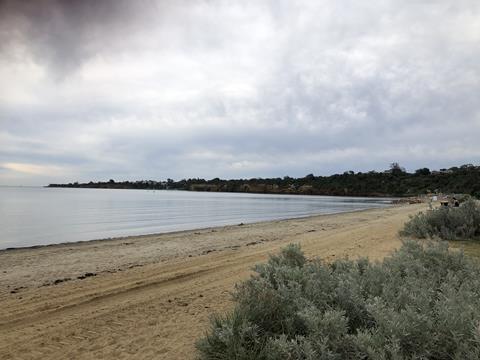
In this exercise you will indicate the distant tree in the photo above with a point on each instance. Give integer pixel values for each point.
(111, 181)
(422, 171)
(395, 168)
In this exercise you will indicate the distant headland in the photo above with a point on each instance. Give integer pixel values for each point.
(395, 181)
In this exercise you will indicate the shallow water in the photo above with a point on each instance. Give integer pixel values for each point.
(39, 216)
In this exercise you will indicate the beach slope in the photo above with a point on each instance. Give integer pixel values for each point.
(151, 296)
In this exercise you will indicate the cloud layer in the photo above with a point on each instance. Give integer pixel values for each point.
(154, 89)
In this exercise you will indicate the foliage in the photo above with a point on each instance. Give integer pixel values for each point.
(392, 182)
(446, 223)
(421, 303)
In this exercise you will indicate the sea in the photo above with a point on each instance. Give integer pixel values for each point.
(32, 216)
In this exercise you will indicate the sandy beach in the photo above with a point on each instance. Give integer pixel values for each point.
(151, 296)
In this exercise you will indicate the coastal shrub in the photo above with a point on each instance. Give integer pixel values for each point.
(446, 223)
(423, 302)
(463, 198)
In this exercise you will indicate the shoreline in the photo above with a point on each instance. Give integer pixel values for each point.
(372, 195)
(151, 296)
(179, 232)
(51, 260)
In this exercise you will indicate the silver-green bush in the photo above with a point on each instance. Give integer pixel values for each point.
(420, 303)
(447, 223)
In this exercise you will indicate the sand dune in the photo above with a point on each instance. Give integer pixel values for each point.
(151, 296)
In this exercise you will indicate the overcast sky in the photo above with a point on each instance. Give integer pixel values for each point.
(93, 90)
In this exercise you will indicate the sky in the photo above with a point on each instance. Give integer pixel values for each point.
(130, 90)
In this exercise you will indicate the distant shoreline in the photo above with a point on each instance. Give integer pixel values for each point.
(305, 193)
(395, 182)
(224, 192)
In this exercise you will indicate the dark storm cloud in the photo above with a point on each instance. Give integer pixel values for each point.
(156, 89)
(64, 33)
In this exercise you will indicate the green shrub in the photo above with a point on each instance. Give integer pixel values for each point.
(446, 223)
(423, 302)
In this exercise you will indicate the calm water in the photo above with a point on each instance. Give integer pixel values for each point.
(39, 216)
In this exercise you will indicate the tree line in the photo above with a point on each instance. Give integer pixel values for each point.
(395, 181)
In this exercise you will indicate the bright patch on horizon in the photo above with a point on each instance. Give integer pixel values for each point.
(33, 169)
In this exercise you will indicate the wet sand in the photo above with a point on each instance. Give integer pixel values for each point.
(150, 296)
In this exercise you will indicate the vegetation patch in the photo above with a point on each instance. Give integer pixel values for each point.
(462, 223)
(392, 182)
(423, 302)
(469, 248)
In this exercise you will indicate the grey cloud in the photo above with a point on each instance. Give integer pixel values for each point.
(64, 33)
(157, 89)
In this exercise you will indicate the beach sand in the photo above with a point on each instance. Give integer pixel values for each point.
(151, 296)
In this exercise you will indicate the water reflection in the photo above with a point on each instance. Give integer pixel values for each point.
(40, 216)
